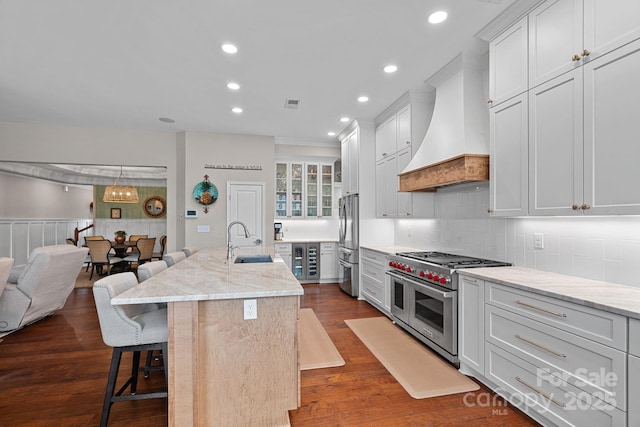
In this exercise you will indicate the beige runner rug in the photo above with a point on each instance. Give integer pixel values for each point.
(421, 372)
(316, 348)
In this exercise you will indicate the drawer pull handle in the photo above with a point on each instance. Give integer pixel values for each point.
(530, 387)
(541, 347)
(541, 309)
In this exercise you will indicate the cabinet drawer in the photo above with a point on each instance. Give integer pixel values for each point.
(597, 325)
(570, 406)
(328, 247)
(597, 369)
(373, 271)
(282, 247)
(634, 337)
(373, 290)
(371, 256)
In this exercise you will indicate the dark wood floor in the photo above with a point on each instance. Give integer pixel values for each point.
(54, 373)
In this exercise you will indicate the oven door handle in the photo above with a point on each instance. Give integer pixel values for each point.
(425, 288)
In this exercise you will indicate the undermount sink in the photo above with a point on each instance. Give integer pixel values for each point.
(252, 259)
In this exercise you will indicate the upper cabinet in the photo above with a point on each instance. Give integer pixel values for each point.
(574, 125)
(508, 64)
(350, 163)
(304, 190)
(566, 34)
(394, 143)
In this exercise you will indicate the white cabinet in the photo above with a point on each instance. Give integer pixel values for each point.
(508, 62)
(583, 58)
(386, 138)
(375, 285)
(556, 146)
(304, 190)
(350, 155)
(581, 138)
(556, 355)
(566, 34)
(508, 187)
(403, 128)
(471, 325)
(634, 373)
(328, 262)
(284, 250)
(319, 190)
(289, 187)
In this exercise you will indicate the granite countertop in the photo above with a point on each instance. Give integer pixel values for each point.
(611, 297)
(390, 249)
(208, 275)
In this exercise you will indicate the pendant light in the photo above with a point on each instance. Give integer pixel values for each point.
(120, 193)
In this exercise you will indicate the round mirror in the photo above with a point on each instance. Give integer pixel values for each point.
(154, 206)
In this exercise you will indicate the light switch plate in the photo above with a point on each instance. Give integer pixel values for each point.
(204, 229)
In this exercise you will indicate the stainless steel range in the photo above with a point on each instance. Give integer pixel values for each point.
(424, 296)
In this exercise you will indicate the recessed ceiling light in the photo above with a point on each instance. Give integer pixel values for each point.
(229, 48)
(331, 133)
(390, 69)
(437, 17)
(166, 120)
(233, 86)
(344, 119)
(237, 110)
(363, 98)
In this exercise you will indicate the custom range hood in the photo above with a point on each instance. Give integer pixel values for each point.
(455, 148)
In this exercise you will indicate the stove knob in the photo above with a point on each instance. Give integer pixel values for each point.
(444, 280)
(390, 263)
(436, 278)
(395, 264)
(430, 276)
(422, 273)
(410, 269)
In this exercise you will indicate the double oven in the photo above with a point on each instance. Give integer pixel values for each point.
(424, 296)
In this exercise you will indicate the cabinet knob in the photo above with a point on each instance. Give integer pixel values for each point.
(489, 210)
(585, 206)
(489, 101)
(575, 207)
(384, 154)
(408, 142)
(585, 52)
(575, 57)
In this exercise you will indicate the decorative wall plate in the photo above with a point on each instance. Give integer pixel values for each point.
(205, 193)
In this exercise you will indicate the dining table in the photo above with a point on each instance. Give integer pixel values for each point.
(122, 248)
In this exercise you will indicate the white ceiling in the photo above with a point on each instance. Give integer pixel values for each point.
(126, 63)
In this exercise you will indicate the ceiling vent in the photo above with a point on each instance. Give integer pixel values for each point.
(291, 104)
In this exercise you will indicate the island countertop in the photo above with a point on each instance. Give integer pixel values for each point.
(208, 275)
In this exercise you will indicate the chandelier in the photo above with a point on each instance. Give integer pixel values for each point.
(120, 193)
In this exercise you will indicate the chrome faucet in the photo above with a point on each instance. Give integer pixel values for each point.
(229, 245)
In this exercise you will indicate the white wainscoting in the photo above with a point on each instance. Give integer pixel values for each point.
(18, 237)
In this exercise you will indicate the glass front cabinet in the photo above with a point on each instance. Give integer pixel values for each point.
(304, 190)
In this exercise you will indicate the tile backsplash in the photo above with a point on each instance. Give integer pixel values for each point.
(600, 248)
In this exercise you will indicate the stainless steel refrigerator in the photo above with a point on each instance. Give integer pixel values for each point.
(305, 262)
(348, 245)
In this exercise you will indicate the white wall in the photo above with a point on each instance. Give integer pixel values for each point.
(59, 144)
(221, 149)
(42, 199)
(599, 248)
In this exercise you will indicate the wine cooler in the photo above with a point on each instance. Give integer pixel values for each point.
(305, 262)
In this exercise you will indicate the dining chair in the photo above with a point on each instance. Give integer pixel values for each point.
(163, 246)
(134, 239)
(144, 252)
(100, 253)
(173, 258)
(128, 328)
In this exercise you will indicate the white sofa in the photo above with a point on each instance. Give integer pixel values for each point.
(41, 286)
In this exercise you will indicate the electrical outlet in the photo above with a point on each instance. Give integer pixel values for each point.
(250, 309)
(538, 241)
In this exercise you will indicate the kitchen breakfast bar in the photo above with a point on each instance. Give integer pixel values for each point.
(225, 370)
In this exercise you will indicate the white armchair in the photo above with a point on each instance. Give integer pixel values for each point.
(5, 269)
(41, 286)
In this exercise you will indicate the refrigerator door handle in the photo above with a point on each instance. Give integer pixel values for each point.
(343, 221)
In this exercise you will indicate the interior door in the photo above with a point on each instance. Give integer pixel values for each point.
(246, 204)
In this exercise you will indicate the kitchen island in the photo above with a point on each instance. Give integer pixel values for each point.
(225, 370)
